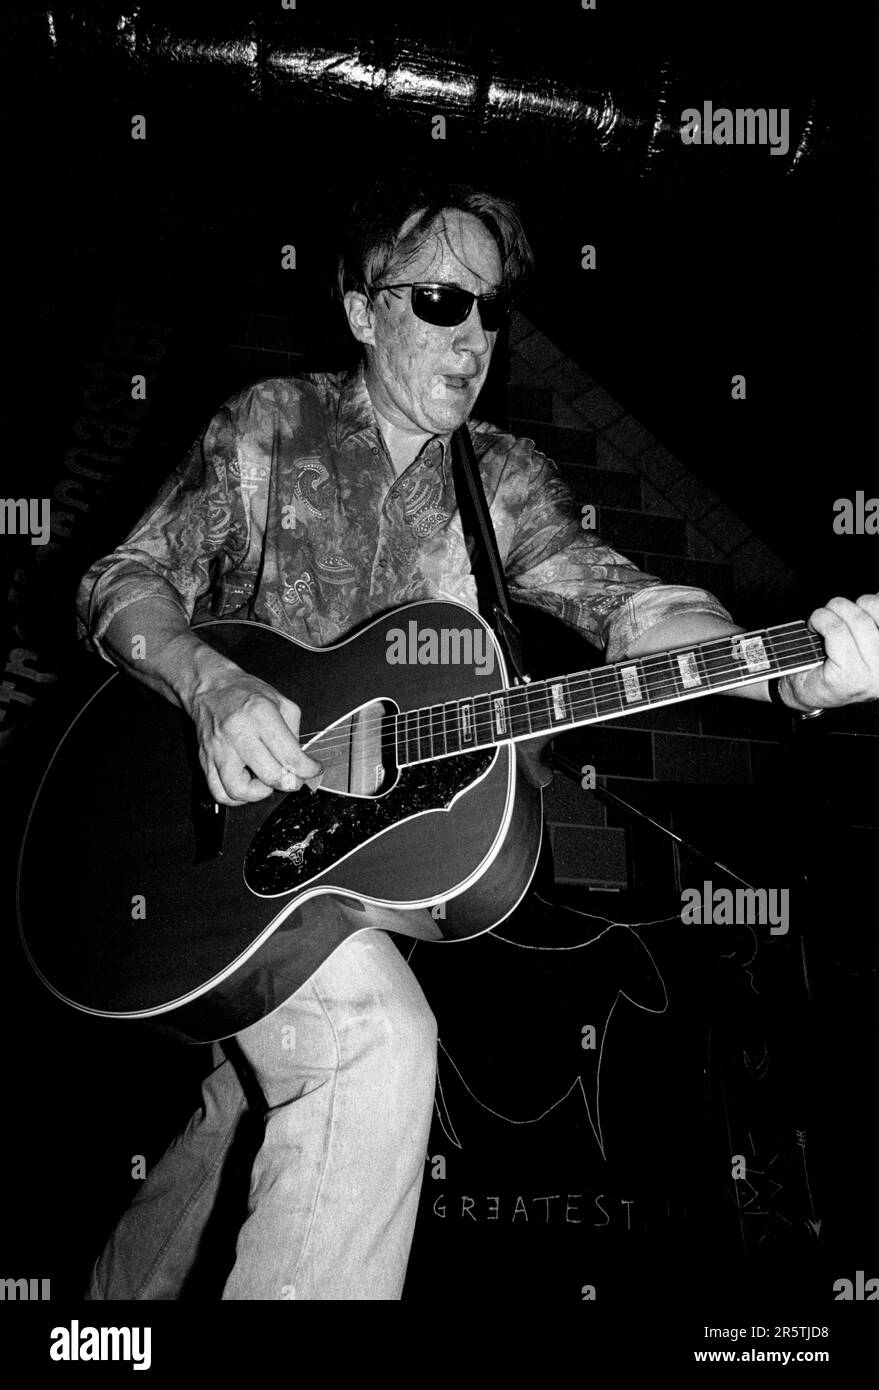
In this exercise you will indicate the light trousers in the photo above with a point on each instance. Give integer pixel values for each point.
(346, 1068)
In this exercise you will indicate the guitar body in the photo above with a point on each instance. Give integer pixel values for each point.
(203, 942)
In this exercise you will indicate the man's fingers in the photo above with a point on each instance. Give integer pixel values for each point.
(831, 622)
(277, 727)
(848, 629)
(215, 786)
(303, 765)
(231, 784)
(854, 615)
(249, 744)
(869, 604)
(256, 755)
(851, 638)
(265, 747)
(264, 739)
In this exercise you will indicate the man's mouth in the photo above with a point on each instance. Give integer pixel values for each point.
(457, 383)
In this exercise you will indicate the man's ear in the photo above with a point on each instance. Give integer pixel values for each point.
(360, 316)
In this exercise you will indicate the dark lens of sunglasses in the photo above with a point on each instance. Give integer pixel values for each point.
(442, 306)
(493, 313)
(447, 306)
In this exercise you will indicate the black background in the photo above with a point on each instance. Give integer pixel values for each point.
(711, 262)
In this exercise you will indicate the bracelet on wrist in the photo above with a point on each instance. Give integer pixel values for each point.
(775, 697)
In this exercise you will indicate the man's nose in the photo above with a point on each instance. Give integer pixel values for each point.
(470, 336)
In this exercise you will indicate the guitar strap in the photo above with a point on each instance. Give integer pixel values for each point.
(491, 585)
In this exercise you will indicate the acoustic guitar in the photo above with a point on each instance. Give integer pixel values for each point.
(202, 919)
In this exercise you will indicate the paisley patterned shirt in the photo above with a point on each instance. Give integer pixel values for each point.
(290, 485)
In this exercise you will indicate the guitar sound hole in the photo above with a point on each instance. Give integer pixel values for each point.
(358, 754)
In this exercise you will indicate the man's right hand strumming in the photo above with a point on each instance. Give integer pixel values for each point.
(247, 731)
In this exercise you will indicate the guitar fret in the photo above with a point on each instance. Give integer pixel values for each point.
(631, 681)
(500, 715)
(438, 724)
(725, 662)
(745, 654)
(750, 650)
(539, 705)
(559, 701)
(412, 734)
(608, 697)
(582, 701)
(483, 720)
(450, 726)
(518, 712)
(466, 723)
(688, 672)
(702, 667)
(665, 686)
(411, 748)
(778, 662)
(423, 735)
(521, 711)
(419, 750)
(614, 692)
(399, 757)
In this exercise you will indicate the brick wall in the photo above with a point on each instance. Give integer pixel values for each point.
(670, 524)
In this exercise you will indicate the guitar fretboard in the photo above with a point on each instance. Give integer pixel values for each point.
(605, 692)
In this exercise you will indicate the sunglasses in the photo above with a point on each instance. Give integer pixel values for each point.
(445, 306)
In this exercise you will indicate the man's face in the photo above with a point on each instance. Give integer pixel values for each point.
(422, 378)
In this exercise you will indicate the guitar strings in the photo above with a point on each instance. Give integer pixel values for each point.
(608, 699)
(791, 650)
(602, 684)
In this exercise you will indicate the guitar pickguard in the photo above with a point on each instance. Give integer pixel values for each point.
(310, 831)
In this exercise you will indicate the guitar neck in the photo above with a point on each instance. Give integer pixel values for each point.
(605, 692)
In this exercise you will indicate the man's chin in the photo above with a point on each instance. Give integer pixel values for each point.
(447, 415)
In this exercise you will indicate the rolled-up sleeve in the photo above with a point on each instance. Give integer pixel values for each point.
(554, 564)
(196, 521)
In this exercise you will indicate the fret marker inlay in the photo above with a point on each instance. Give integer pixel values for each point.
(464, 717)
(500, 717)
(752, 651)
(631, 684)
(558, 701)
(689, 670)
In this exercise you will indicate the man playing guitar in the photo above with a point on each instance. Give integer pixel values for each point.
(312, 505)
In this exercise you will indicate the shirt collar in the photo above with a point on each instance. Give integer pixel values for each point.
(356, 415)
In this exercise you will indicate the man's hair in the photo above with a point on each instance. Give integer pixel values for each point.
(373, 242)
